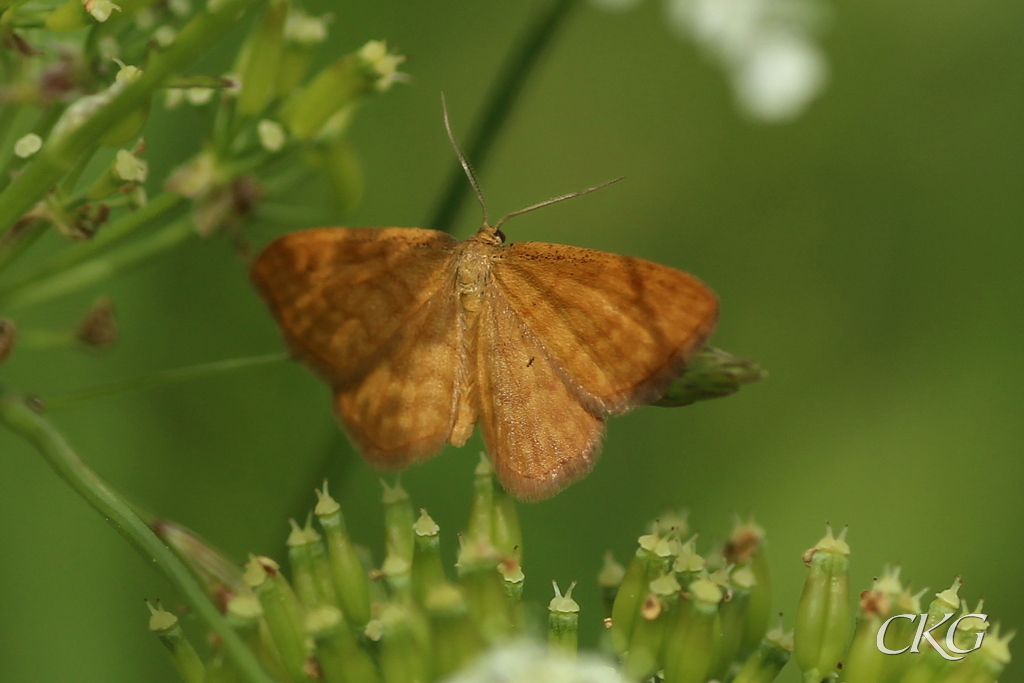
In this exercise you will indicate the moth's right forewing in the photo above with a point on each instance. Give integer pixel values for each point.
(340, 294)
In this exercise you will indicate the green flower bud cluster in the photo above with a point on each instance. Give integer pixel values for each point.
(337, 618)
(672, 615)
(688, 618)
(71, 155)
(894, 641)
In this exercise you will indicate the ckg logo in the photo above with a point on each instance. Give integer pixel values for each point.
(926, 634)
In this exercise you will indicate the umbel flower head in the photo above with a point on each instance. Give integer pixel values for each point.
(674, 613)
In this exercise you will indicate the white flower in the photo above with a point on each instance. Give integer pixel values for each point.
(303, 29)
(765, 46)
(199, 96)
(100, 9)
(165, 35)
(27, 145)
(271, 135)
(775, 68)
(180, 8)
(383, 63)
(780, 78)
(127, 73)
(530, 663)
(173, 97)
(129, 167)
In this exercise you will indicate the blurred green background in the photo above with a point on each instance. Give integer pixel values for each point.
(869, 255)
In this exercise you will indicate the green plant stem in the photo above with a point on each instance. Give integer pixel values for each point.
(518, 67)
(96, 270)
(60, 152)
(15, 242)
(38, 431)
(159, 378)
(108, 236)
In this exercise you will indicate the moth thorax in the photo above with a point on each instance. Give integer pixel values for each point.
(472, 273)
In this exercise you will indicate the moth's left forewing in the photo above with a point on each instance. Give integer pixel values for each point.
(618, 328)
(539, 434)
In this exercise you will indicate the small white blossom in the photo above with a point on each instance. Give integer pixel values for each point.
(530, 663)
(196, 176)
(271, 135)
(303, 29)
(173, 97)
(28, 145)
(199, 96)
(180, 8)
(383, 63)
(765, 45)
(100, 9)
(165, 35)
(127, 73)
(130, 168)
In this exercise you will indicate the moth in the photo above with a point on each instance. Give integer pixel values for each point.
(421, 336)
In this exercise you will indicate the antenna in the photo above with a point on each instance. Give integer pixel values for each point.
(480, 196)
(554, 200)
(462, 160)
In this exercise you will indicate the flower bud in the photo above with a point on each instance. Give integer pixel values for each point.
(283, 612)
(301, 33)
(27, 145)
(220, 576)
(657, 615)
(337, 87)
(271, 135)
(865, 663)
(512, 576)
(563, 621)
(311, 574)
(746, 544)
(98, 329)
(348, 575)
(484, 589)
(183, 655)
(734, 613)
(710, 373)
(340, 657)
(823, 614)
(481, 507)
(609, 579)
(455, 638)
(403, 656)
(693, 643)
(245, 615)
(261, 57)
(427, 570)
(764, 663)
(650, 561)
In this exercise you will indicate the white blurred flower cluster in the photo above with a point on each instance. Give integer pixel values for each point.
(766, 46)
(527, 662)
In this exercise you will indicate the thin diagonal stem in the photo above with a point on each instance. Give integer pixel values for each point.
(99, 269)
(50, 443)
(160, 378)
(518, 68)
